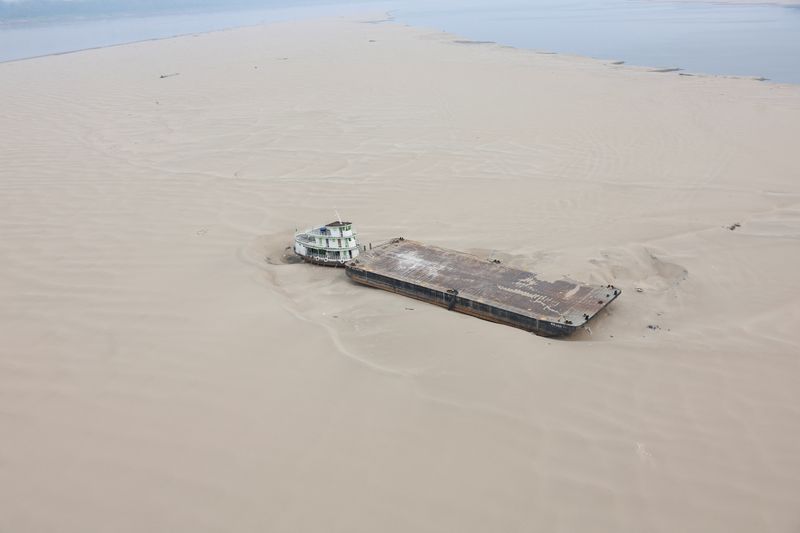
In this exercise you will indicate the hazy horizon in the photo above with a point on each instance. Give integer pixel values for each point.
(13, 11)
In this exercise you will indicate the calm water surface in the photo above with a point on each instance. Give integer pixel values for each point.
(744, 40)
(20, 39)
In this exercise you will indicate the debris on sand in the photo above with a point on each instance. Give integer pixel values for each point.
(169, 75)
(288, 257)
(733, 226)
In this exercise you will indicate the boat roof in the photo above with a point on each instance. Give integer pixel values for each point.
(337, 224)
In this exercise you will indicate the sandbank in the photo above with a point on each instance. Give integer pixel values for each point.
(162, 369)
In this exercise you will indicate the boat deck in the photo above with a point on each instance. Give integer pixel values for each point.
(489, 290)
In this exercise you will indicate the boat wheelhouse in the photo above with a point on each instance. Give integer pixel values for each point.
(333, 244)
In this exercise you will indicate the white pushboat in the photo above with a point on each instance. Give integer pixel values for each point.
(333, 244)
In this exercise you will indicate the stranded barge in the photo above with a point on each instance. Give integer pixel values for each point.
(485, 289)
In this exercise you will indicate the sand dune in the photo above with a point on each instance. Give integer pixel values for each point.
(162, 369)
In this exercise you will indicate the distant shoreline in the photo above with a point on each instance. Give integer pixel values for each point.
(132, 28)
(629, 62)
(127, 43)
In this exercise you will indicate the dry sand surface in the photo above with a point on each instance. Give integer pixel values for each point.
(162, 370)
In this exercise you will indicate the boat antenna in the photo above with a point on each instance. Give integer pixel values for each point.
(338, 216)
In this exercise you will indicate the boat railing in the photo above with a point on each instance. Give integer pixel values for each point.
(326, 234)
(313, 244)
(311, 238)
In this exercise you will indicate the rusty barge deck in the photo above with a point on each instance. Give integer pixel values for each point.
(467, 284)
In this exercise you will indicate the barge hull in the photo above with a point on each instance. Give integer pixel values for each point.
(467, 284)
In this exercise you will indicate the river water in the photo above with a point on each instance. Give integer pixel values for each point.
(742, 40)
(745, 40)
